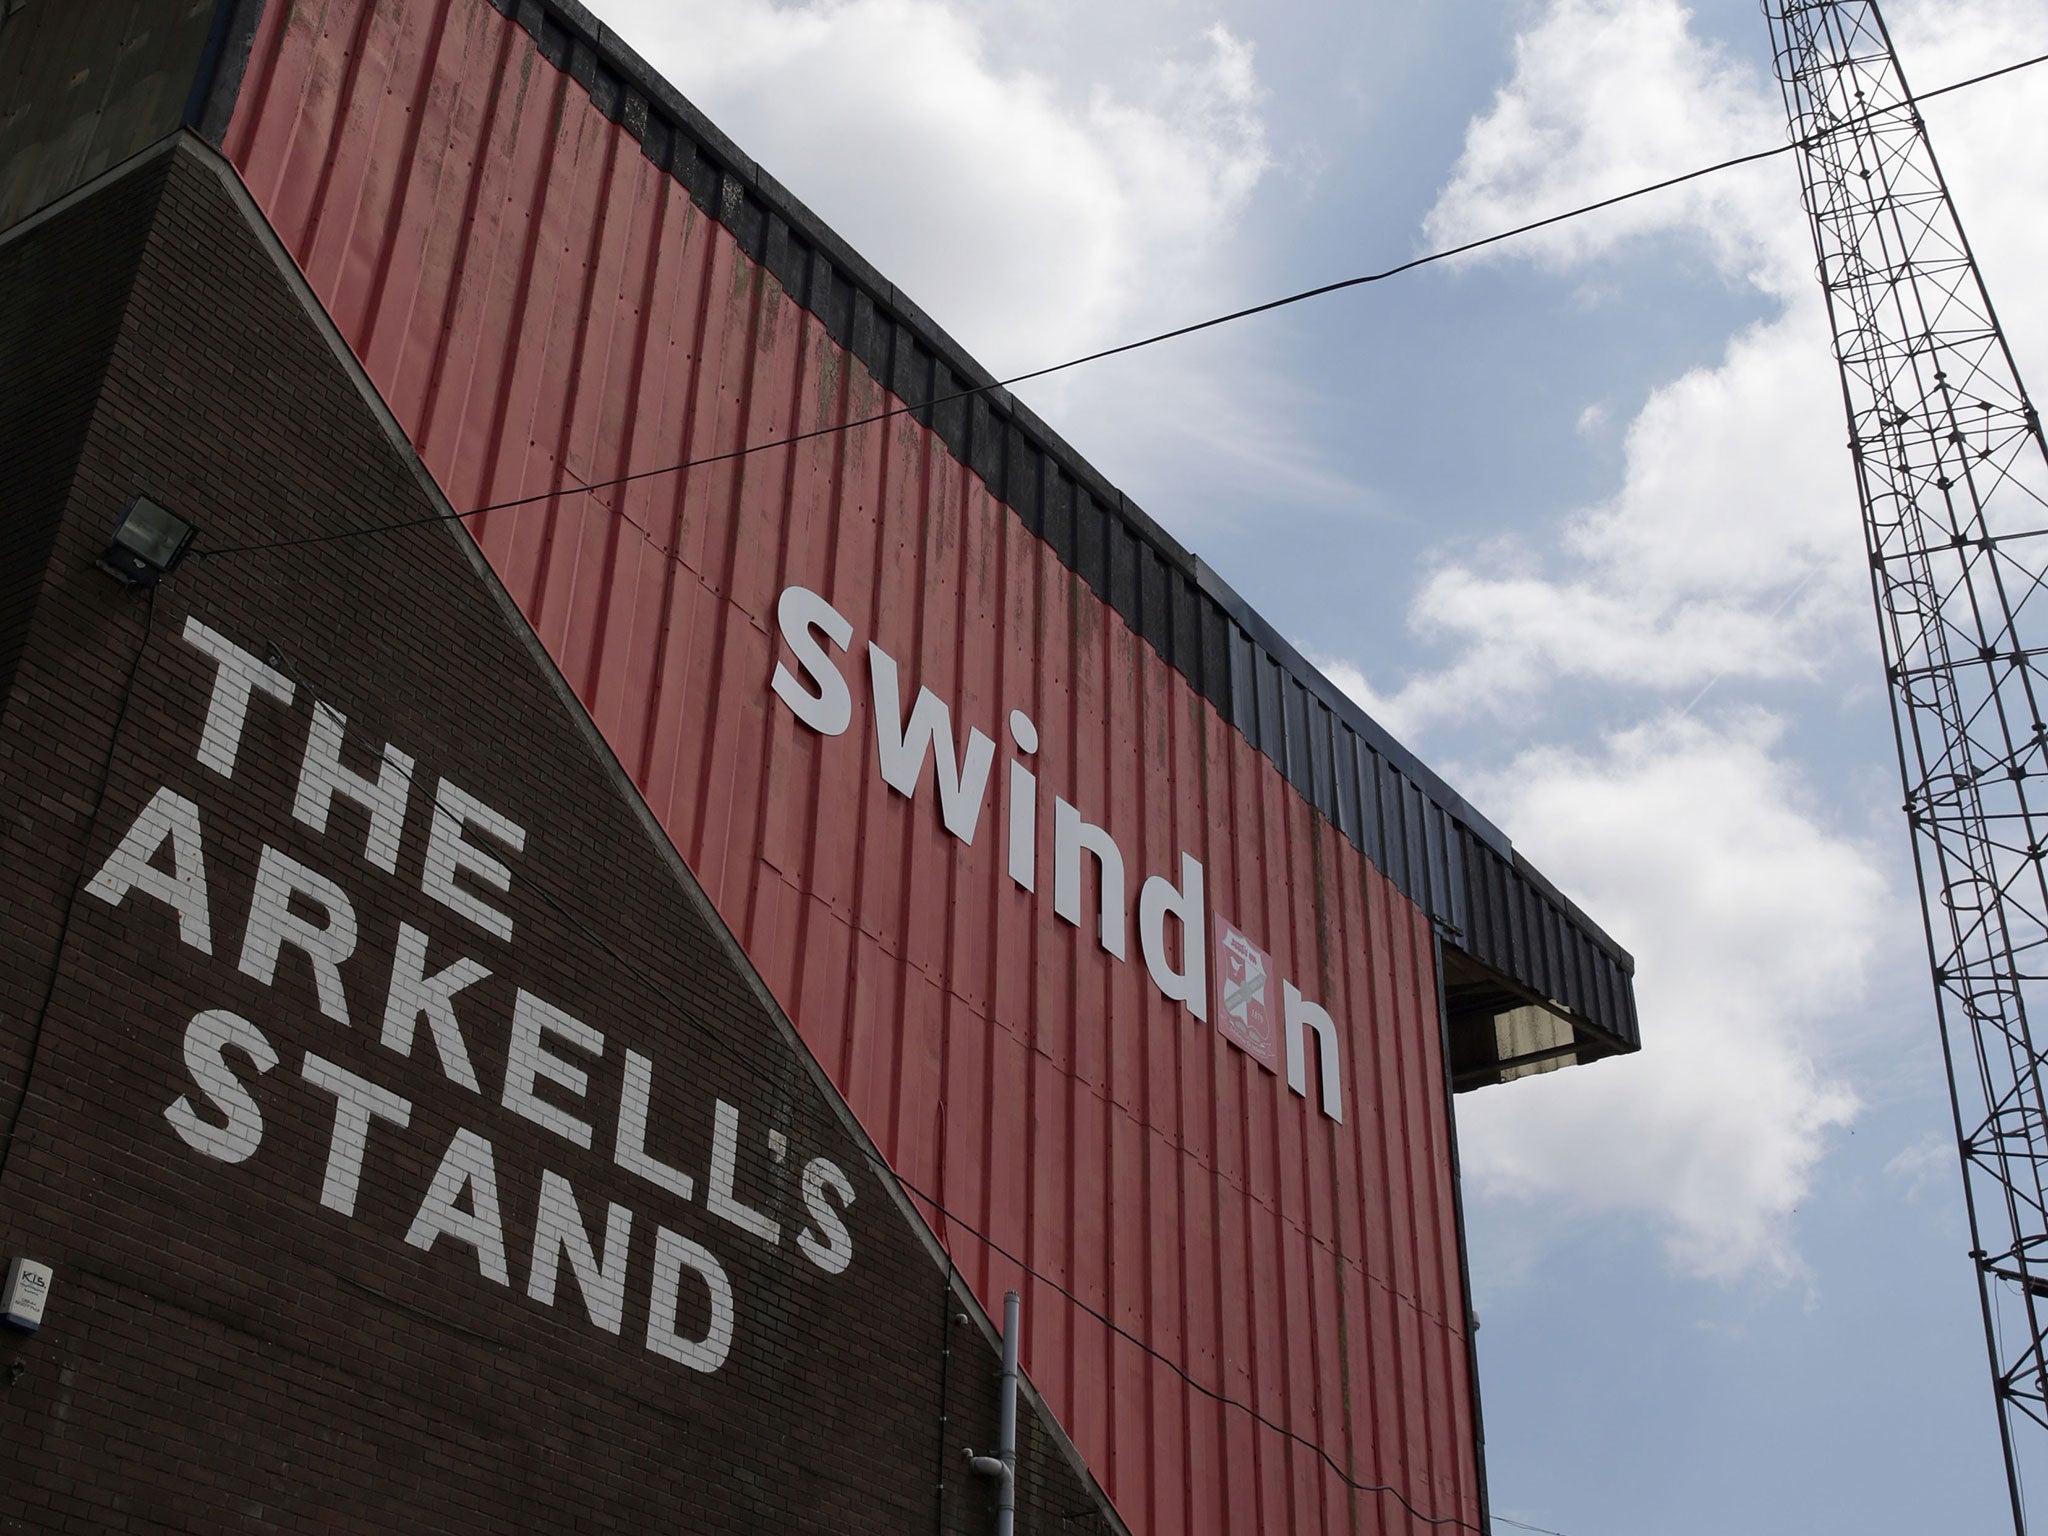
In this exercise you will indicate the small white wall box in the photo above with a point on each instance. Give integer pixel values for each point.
(28, 1287)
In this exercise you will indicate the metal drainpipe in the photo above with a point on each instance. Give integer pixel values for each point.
(1004, 1465)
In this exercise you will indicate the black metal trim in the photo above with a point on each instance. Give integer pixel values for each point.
(1406, 820)
(210, 104)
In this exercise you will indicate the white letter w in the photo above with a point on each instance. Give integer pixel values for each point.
(961, 785)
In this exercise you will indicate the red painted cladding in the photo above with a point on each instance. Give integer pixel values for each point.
(541, 305)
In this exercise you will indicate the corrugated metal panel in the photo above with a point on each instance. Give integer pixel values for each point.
(1098, 532)
(526, 258)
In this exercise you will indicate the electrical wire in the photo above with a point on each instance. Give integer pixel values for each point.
(869, 1153)
(1323, 290)
(1305, 295)
(742, 1064)
(92, 826)
(1172, 1365)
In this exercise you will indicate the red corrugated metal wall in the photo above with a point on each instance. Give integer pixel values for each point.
(538, 303)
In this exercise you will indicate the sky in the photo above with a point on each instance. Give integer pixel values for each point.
(1574, 518)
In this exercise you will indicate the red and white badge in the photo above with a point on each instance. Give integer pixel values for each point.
(1247, 1014)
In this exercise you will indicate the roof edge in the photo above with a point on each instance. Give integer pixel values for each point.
(542, 18)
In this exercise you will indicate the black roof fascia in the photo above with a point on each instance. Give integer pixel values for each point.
(1420, 832)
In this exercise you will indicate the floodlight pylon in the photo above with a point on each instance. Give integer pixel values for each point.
(1953, 476)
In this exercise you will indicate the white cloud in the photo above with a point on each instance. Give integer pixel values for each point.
(1751, 922)
(1024, 221)
(1608, 95)
(1731, 546)
(1923, 1164)
(1731, 549)
(1035, 218)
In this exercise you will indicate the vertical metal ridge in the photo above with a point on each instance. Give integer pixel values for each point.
(485, 526)
(425, 398)
(1404, 1236)
(435, 342)
(252, 103)
(404, 164)
(336, 145)
(762, 930)
(693, 282)
(620, 526)
(547, 612)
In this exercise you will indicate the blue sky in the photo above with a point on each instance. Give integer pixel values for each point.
(1576, 520)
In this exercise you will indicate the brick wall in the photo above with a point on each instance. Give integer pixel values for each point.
(280, 1296)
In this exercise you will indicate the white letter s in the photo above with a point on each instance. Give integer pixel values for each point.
(206, 1038)
(830, 709)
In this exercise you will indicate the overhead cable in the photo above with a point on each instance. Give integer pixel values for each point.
(870, 1153)
(584, 487)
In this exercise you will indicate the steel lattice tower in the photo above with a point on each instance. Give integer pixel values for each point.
(1952, 472)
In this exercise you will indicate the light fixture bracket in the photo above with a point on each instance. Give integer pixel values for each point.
(148, 542)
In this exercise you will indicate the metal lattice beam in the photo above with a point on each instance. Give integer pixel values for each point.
(1953, 476)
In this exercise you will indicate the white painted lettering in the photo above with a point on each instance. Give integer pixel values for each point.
(529, 1059)
(672, 1254)
(448, 853)
(415, 995)
(322, 777)
(468, 1165)
(832, 1249)
(629, 1139)
(719, 1199)
(1181, 973)
(206, 1038)
(132, 867)
(799, 611)
(227, 711)
(902, 749)
(272, 925)
(558, 1230)
(1070, 837)
(357, 1102)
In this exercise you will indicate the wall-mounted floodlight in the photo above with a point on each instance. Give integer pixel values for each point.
(148, 543)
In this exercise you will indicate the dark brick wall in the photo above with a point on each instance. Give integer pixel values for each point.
(65, 290)
(223, 1350)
